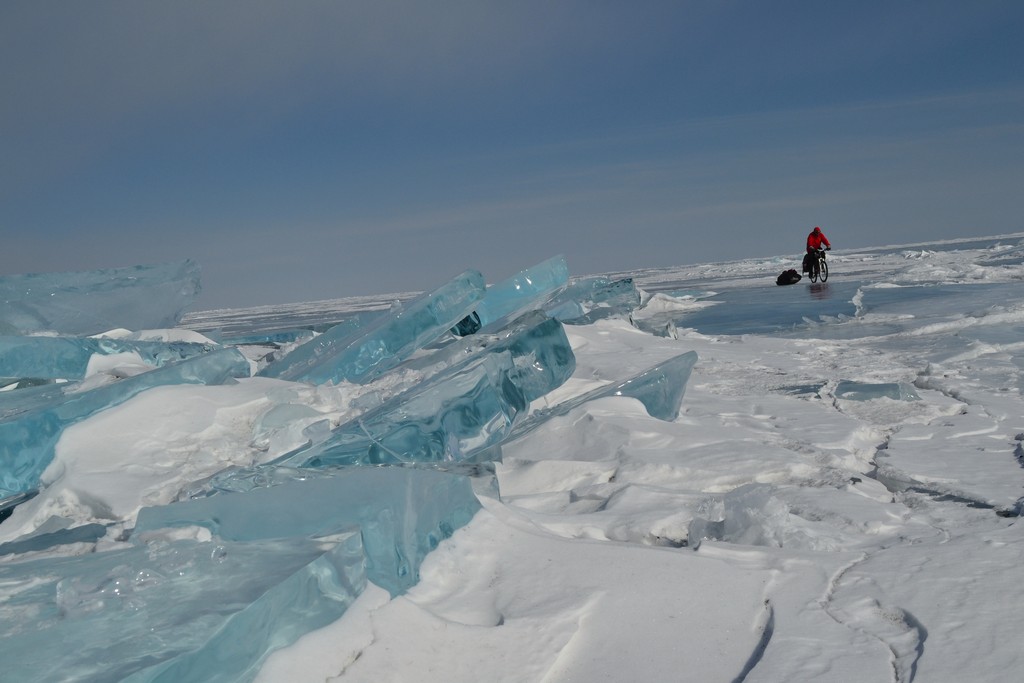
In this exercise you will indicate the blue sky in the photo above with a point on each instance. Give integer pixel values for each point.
(314, 150)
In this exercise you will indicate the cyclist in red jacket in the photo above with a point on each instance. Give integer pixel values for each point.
(814, 242)
(816, 239)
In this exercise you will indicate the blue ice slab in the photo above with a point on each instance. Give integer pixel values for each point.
(28, 437)
(364, 354)
(171, 611)
(83, 303)
(318, 349)
(866, 391)
(659, 388)
(586, 300)
(539, 348)
(453, 418)
(68, 357)
(402, 514)
(459, 414)
(527, 289)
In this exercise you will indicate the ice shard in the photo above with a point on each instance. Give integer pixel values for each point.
(172, 610)
(402, 514)
(538, 345)
(29, 433)
(750, 515)
(317, 349)
(68, 357)
(865, 391)
(451, 419)
(84, 303)
(660, 389)
(527, 289)
(592, 298)
(459, 415)
(364, 354)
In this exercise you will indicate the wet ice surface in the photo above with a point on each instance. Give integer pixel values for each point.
(837, 499)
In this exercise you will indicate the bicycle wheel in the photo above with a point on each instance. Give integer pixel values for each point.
(823, 265)
(813, 272)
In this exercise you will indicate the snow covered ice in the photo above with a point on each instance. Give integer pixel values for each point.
(712, 479)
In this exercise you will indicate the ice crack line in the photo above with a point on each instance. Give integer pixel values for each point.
(895, 628)
(767, 631)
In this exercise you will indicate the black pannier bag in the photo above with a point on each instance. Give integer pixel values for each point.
(788, 277)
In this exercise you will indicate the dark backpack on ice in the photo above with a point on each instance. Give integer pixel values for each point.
(788, 277)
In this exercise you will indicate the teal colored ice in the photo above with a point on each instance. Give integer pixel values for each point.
(28, 437)
(363, 353)
(90, 302)
(68, 357)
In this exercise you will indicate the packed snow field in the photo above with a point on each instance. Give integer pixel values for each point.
(838, 498)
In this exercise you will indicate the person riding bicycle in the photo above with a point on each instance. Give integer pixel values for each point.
(814, 242)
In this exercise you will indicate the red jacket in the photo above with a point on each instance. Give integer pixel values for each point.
(816, 239)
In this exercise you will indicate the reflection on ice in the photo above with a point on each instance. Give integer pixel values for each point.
(759, 309)
(820, 290)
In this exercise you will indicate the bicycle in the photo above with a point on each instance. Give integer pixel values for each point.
(819, 268)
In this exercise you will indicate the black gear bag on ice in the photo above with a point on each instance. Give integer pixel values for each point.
(788, 277)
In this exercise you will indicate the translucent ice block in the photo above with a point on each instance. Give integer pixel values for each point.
(538, 345)
(458, 415)
(865, 391)
(402, 513)
(68, 357)
(83, 303)
(171, 610)
(589, 299)
(527, 289)
(451, 418)
(28, 437)
(363, 354)
(660, 389)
